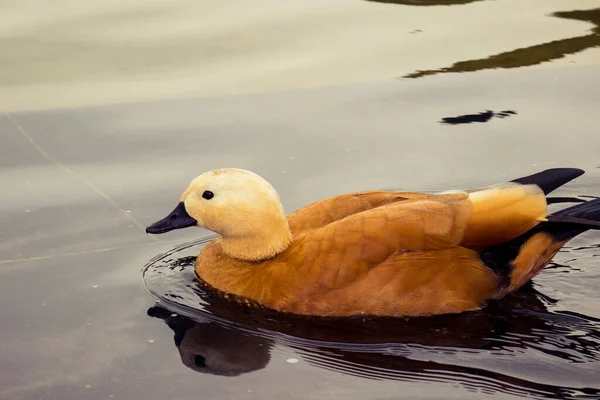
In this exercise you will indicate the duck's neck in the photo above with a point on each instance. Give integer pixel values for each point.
(264, 243)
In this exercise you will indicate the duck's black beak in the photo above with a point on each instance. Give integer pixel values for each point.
(177, 219)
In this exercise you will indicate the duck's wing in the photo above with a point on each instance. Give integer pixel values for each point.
(424, 223)
(349, 247)
(503, 212)
(341, 252)
(414, 283)
(324, 212)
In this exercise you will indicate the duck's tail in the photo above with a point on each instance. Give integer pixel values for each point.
(551, 179)
(519, 260)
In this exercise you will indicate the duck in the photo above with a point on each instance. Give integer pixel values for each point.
(379, 252)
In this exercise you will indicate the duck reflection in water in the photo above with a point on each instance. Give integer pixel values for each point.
(212, 348)
(240, 340)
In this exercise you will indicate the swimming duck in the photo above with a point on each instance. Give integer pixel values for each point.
(381, 253)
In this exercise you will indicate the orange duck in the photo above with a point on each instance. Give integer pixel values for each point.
(377, 252)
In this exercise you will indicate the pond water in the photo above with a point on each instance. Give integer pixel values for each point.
(516, 346)
(110, 108)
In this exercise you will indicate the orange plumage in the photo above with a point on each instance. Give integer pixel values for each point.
(376, 253)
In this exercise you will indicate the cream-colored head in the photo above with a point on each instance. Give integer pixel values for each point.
(243, 208)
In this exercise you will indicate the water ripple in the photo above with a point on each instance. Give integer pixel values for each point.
(515, 346)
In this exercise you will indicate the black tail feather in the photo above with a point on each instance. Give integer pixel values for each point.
(572, 221)
(556, 200)
(551, 179)
(588, 212)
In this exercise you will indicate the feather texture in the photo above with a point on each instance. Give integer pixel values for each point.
(376, 252)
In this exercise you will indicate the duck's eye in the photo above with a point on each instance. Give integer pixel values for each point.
(208, 195)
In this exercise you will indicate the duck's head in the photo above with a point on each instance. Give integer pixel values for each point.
(237, 204)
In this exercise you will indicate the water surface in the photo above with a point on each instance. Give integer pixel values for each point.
(306, 95)
(516, 346)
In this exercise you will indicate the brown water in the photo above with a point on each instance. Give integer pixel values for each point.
(80, 184)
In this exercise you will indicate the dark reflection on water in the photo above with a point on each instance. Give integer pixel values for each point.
(426, 2)
(515, 346)
(537, 54)
(479, 117)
